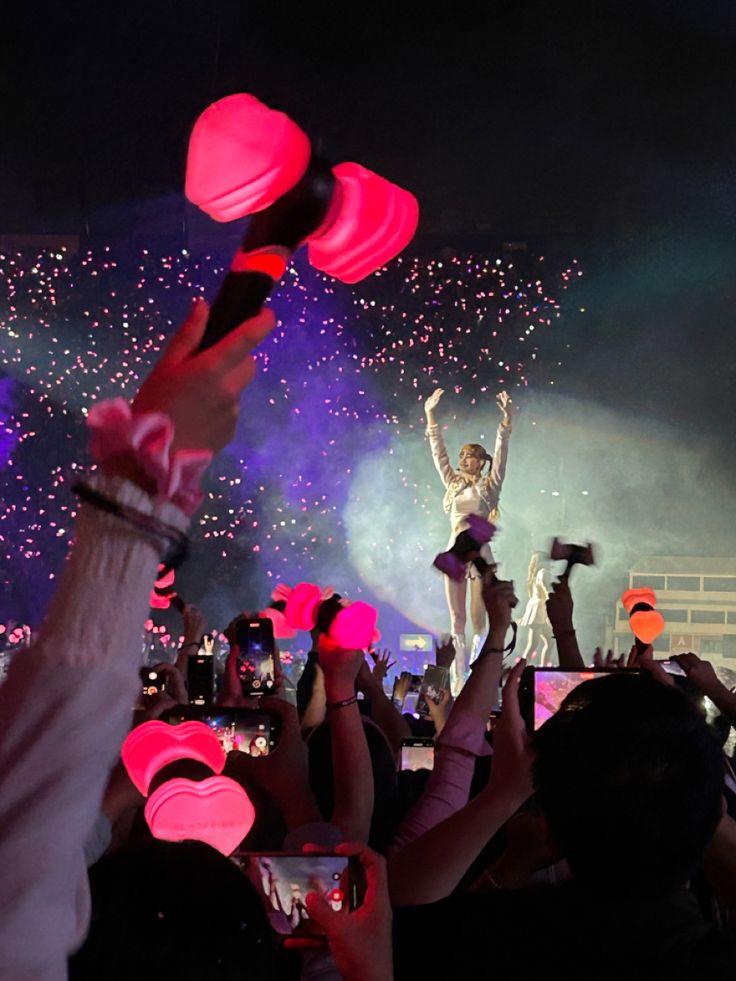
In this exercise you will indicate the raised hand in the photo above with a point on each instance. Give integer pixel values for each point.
(560, 606)
(432, 402)
(503, 401)
(194, 624)
(444, 652)
(340, 668)
(701, 673)
(609, 661)
(499, 599)
(200, 390)
(359, 941)
(439, 711)
(511, 775)
(284, 773)
(382, 663)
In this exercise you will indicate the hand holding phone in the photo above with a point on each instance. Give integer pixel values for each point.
(364, 937)
(201, 678)
(435, 681)
(285, 879)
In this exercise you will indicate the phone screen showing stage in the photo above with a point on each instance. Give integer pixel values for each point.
(417, 754)
(237, 729)
(256, 666)
(286, 880)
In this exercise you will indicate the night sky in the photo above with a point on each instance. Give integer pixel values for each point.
(598, 120)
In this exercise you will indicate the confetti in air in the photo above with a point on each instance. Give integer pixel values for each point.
(343, 376)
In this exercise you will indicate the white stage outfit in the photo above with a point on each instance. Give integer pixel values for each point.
(465, 495)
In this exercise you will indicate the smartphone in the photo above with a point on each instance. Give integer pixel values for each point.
(256, 665)
(542, 690)
(153, 683)
(417, 754)
(284, 880)
(200, 678)
(249, 731)
(411, 699)
(434, 680)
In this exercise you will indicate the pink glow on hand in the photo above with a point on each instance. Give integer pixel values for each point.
(153, 745)
(354, 627)
(370, 222)
(301, 606)
(216, 811)
(242, 157)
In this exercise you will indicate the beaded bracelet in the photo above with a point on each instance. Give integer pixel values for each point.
(177, 541)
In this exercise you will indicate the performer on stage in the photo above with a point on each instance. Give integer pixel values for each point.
(469, 491)
(535, 617)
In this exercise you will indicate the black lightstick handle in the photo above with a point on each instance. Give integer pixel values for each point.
(283, 226)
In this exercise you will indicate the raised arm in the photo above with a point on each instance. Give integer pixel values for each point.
(351, 761)
(463, 738)
(430, 868)
(56, 747)
(501, 448)
(436, 443)
(560, 610)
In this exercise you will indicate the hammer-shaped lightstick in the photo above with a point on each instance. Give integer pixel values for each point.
(247, 159)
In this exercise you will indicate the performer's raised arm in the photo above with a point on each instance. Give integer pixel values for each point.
(501, 449)
(436, 442)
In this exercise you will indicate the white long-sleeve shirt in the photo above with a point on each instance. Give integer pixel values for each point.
(463, 495)
(64, 711)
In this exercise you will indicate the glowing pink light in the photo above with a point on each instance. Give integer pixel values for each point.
(301, 606)
(282, 630)
(371, 221)
(216, 811)
(242, 157)
(354, 627)
(153, 745)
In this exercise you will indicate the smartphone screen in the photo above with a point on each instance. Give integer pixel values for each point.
(411, 700)
(154, 682)
(256, 666)
(246, 730)
(284, 881)
(200, 678)
(544, 689)
(417, 754)
(434, 680)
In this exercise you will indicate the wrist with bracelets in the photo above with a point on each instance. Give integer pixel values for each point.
(173, 544)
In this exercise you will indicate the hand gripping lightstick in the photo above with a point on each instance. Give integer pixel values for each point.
(247, 159)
